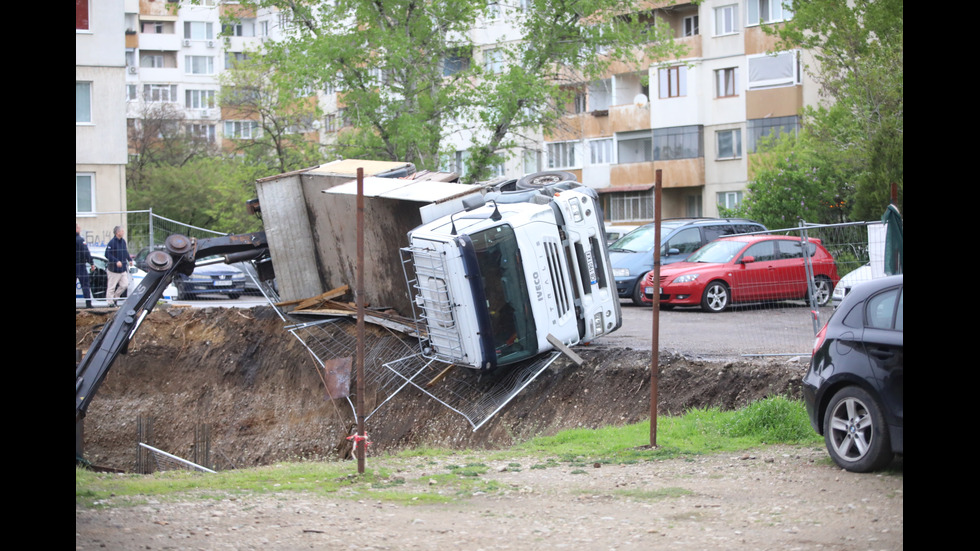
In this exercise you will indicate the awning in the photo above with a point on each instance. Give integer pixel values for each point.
(623, 189)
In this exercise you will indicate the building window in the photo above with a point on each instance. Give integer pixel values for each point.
(780, 69)
(600, 95)
(768, 11)
(726, 82)
(199, 99)
(81, 15)
(151, 60)
(532, 161)
(241, 130)
(84, 193)
(691, 26)
(241, 28)
(83, 102)
(729, 143)
(680, 142)
(561, 155)
(199, 65)
(601, 151)
(198, 30)
(156, 93)
(231, 58)
(673, 81)
(152, 27)
(456, 61)
(634, 147)
(493, 60)
(628, 206)
(202, 131)
(131, 93)
(263, 29)
(759, 128)
(726, 20)
(729, 199)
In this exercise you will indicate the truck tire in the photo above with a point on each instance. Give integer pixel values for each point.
(539, 180)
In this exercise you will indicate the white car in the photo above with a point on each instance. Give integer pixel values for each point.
(613, 233)
(846, 283)
(98, 282)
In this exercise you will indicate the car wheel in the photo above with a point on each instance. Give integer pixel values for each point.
(234, 296)
(824, 291)
(638, 290)
(855, 431)
(539, 180)
(715, 297)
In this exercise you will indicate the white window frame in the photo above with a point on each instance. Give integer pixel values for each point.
(193, 30)
(91, 189)
(726, 82)
(726, 20)
(729, 199)
(160, 93)
(190, 64)
(562, 154)
(760, 12)
(132, 92)
(199, 99)
(602, 151)
(202, 130)
(153, 61)
(83, 103)
(691, 26)
(761, 75)
(735, 151)
(493, 60)
(241, 130)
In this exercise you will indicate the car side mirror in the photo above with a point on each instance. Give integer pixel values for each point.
(748, 259)
(672, 251)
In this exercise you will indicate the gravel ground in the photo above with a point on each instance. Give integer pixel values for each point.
(774, 498)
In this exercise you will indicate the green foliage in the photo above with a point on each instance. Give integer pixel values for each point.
(772, 420)
(859, 49)
(207, 192)
(795, 178)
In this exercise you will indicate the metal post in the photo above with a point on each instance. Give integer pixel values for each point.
(655, 338)
(360, 441)
(808, 272)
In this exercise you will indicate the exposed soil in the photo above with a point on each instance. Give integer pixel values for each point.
(256, 388)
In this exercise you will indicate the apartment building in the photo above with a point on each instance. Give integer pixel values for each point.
(100, 126)
(697, 118)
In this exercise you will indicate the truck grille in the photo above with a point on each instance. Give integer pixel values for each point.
(563, 299)
(432, 307)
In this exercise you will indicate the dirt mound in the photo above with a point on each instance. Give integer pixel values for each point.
(256, 390)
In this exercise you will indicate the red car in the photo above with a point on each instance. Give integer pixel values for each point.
(751, 268)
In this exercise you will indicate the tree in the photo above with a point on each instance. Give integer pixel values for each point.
(858, 46)
(410, 75)
(159, 137)
(269, 119)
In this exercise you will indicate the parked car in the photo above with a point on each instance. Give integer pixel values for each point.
(211, 279)
(854, 388)
(846, 283)
(614, 232)
(632, 255)
(748, 268)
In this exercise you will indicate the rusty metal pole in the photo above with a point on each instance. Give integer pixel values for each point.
(655, 337)
(360, 440)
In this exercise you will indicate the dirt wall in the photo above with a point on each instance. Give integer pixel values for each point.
(258, 391)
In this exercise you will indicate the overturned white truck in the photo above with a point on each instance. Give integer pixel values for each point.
(494, 281)
(496, 273)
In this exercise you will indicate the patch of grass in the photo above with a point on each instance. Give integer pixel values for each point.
(653, 495)
(773, 420)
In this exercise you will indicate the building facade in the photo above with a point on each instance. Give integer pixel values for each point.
(100, 125)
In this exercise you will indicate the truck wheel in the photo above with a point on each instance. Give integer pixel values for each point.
(539, 180)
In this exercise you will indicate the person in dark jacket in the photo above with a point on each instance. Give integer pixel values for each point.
(117, 267)
(83, 265)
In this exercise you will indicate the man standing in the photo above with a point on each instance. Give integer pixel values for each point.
(117, 267)
(83, 265)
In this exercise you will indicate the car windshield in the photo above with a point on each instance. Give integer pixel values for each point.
(641, 239)
(717, 251)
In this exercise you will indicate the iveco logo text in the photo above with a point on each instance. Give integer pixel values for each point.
(537, 286)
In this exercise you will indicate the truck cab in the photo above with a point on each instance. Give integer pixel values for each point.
(492, 282)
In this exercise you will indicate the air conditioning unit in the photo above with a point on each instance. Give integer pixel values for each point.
(210, 43)
(187, 43)
(133, 69)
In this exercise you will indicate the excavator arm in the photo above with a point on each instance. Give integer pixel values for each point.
(179, 256)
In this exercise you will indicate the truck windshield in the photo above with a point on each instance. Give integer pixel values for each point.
(508, 301)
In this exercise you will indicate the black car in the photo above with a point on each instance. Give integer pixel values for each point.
(854, 387)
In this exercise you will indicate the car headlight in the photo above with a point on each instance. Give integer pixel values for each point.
(199, 278)
(621, 272)
(686, 278)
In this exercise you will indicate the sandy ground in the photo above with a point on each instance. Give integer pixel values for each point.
(773, 498)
